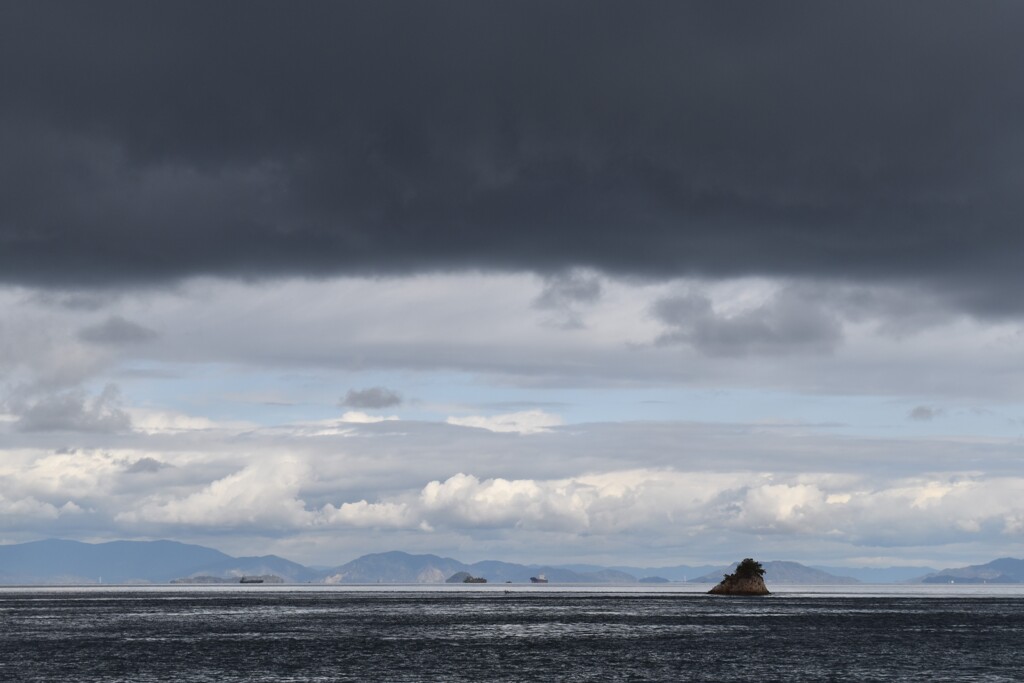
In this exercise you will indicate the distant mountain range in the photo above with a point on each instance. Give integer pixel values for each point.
(399, 567)
(1003, 570)
(57, 562)
(74, 562)
(680, 572)
(880, 574)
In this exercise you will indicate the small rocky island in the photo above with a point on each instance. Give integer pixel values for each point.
(464, 577)
(748, 579)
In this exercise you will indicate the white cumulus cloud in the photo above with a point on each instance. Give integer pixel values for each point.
(263, 493)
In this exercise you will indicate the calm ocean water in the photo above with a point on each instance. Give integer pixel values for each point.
(286, 634)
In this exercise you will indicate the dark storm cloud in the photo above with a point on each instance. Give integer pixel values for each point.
(924, 413)
(148, 141)
(72, 411)
(564, 293)
(76, 300)
(567, 289)
(373, 397)
(145, 465)
(790, 322)
(115, 330)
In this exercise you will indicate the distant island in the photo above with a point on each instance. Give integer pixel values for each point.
(654, 579)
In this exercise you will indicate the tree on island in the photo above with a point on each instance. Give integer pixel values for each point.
(746, 580)
(747, 569)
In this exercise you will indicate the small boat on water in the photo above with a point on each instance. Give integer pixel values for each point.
(540, 578)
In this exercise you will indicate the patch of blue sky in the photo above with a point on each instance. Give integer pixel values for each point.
(223, 392)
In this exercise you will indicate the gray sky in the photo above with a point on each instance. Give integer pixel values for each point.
(552, 281)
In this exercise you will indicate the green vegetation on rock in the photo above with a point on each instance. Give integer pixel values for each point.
(748, 568)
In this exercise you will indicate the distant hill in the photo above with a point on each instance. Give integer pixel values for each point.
(1003, 570)
(880, 574)
(459, 577)
(679, 572)
(63, 562)
(778, 571)
(399, 567)
(266, 565)
(206, 579)
(396, 567)
(57, 561)
(521, 573)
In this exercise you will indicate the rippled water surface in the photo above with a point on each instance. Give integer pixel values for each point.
(283, 635)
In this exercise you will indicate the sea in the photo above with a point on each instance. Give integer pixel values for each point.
(510, 633)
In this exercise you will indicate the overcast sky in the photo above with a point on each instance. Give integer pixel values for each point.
(600, 281)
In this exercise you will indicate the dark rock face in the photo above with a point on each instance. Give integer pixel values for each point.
(747, 585)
